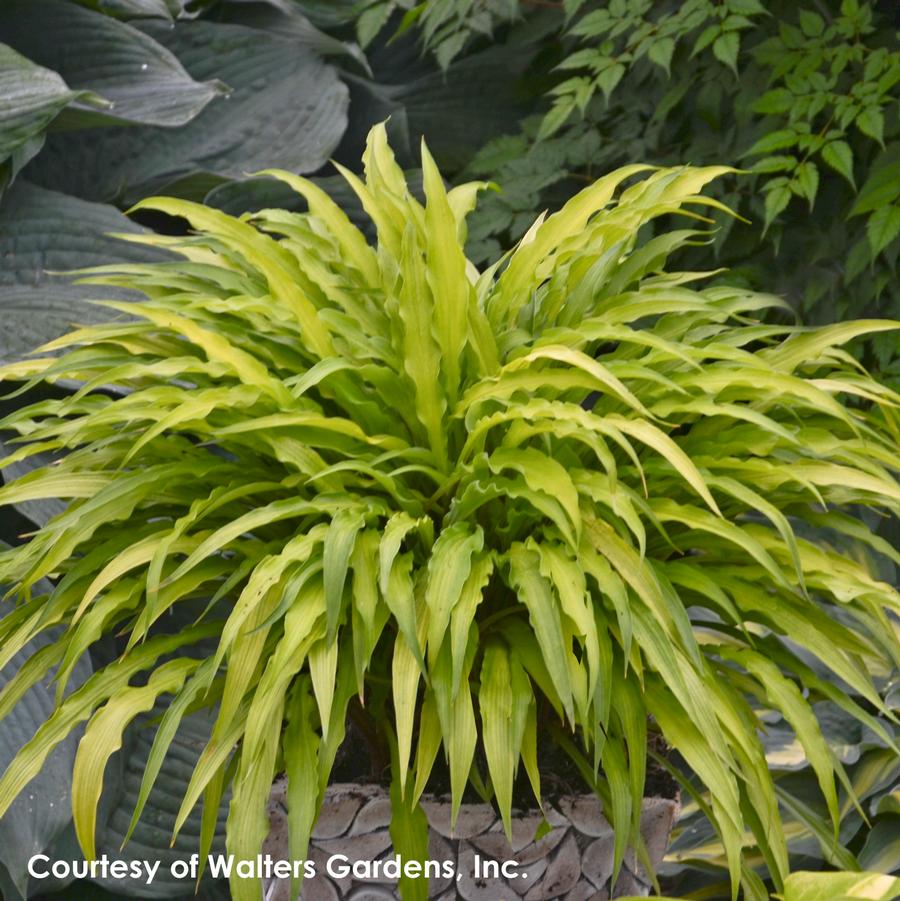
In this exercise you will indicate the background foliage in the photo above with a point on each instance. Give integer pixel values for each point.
(804, 95)
(105, 101)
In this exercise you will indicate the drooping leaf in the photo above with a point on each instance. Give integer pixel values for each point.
(31, 97)
(504, 699)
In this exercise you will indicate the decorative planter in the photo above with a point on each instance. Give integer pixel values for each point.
(573, 861)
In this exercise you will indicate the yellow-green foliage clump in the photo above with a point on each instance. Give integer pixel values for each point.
(573, 489)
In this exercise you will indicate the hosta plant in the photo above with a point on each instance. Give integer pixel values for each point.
(573, 494)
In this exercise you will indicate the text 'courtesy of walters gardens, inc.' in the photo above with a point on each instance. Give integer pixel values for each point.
(264, 866)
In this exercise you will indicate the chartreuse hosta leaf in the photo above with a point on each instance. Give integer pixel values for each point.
(841, 887)
(572, 494)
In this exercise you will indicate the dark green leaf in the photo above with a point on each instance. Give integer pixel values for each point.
(661, 52)
(726, 49)
(454, 112)
(775, 164)
(609, 78)
(871, 122)
(883, 226)
(811, 23)
(857, 259)
(839, 156)
(747, 7)
(775, 140)
(557, 117)
(807, 176)
(371, 21)
(779, 100)
(707, 36)
(881, 187)
(776, 200)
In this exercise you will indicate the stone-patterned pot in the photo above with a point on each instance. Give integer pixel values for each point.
(572, 862)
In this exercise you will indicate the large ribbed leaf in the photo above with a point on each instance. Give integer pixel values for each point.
(453, 109)
(152, 837)
(127, 9)
(42, 812)
(142, 81)
(42, 232)
(329, 13)
(30, 98)
(118, 797)
(287, 108)
(284, 17)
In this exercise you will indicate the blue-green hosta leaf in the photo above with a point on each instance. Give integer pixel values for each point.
(128, 9)
(39, 511)
(43, 232)
(30, 98)
(881, 851)
(152, 837)
(41, 813)
(329, 13)
(252, 194)
(453, 110)
(287, 108)
(143, 82)
(846, 737)
(283, 17)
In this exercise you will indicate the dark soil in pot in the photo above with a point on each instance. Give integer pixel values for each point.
(360, 761)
